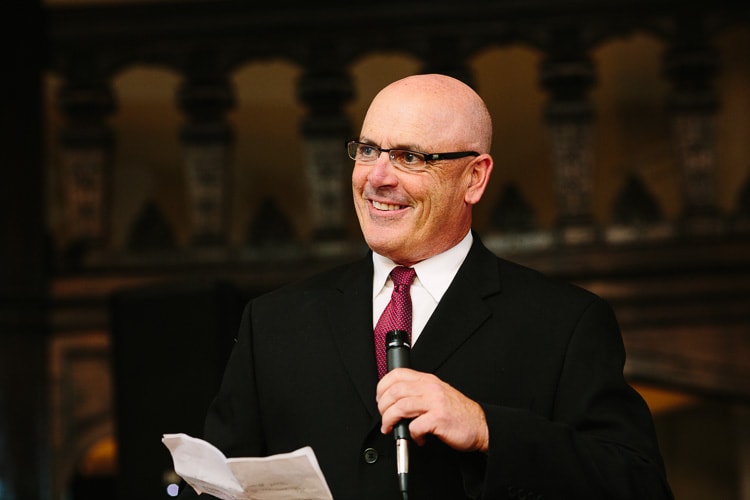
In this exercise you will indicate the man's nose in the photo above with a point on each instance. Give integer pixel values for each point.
(382, 171)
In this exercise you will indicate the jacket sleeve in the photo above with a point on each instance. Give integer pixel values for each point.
(599, 442)
(232, 421)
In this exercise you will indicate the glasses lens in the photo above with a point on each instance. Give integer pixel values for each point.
(407, 160)
(363, 152)
(351, 149)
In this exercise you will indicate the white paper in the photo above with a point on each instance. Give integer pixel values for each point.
(288, 476)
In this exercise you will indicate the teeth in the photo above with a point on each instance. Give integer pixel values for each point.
(385, 206)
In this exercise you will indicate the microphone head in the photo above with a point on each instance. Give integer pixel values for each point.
(397, 338)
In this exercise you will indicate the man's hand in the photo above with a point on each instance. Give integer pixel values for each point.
(435, 408)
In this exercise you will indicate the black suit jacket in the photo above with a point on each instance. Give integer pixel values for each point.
(543, 358)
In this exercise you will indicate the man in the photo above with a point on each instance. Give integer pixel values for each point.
(516, 387)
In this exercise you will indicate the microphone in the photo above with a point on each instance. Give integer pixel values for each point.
(397, 356)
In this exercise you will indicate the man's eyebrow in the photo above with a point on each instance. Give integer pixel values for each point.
(402, 146)
(410, 147)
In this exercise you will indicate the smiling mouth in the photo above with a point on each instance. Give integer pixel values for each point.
(386, 206)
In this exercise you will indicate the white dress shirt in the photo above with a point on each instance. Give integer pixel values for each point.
(434, 276)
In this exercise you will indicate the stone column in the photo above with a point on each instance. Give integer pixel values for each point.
(448, 55)
(85, 160)
(207, 144)
(567, 74)
(324, 92)
(690, 65)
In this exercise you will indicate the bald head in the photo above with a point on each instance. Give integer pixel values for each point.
(452, 111)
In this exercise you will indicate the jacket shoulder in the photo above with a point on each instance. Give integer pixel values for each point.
(332, 279)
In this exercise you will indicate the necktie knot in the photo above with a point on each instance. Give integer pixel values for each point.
(403, 276)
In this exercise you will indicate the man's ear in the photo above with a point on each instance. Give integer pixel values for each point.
(478, 178)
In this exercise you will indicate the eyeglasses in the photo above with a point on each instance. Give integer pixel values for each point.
(408, 161)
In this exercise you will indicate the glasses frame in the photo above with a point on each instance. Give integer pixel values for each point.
(428, 157)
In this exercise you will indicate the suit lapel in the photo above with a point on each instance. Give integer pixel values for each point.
(461, 311)
(351, 316)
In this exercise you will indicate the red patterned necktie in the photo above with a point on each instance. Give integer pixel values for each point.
(397, 314)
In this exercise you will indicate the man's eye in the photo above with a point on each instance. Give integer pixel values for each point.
(367, 151)
(410, 158)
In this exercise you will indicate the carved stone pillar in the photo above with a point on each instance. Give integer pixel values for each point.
(448, 55)
(85, 161)
(325, 128)
(568, 114)
(690, 66)
(207, 141)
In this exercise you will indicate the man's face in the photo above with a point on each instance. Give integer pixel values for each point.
(410, 216)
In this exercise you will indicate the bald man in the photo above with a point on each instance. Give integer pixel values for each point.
(515, 388)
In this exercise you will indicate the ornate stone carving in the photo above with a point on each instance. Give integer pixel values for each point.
(85, 157)
(82, 411)
(207, 140)
(567, 77)
(690, 66)
(324, 128)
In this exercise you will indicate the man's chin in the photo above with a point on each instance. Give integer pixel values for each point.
(383, 242)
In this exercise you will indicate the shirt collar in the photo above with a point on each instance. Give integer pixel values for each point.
(435, 274)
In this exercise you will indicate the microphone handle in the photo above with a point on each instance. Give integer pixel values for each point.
(397, 355)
